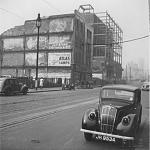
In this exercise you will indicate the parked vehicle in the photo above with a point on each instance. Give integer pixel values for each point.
(68, 86)
(146, 86)
(9, 86)
(117, 117)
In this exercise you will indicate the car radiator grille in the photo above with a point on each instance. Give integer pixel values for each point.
(108, 115)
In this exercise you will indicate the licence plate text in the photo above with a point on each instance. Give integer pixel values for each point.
(105, 138)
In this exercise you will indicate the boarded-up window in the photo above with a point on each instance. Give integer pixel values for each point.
(13, 59)
(99, 51)
(15, 44)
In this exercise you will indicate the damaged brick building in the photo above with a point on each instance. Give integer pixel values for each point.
(72, 47)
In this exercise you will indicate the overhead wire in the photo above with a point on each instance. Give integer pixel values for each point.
(47, 2)
(50, 5)
(131, 40)
(139, 38)
(10, 12)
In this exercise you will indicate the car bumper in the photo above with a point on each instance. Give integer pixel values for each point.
(106, 134)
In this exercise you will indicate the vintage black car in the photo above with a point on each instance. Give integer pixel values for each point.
(9, 86)
(117, 117)
(70, 86)
(146, 86)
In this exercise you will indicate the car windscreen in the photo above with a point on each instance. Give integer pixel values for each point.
(117, 94)
(1, 82)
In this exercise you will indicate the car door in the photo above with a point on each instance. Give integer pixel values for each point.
(16, 86)
(12, 86)
(6, 84)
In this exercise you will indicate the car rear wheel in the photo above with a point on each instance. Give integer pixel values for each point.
(88, 136)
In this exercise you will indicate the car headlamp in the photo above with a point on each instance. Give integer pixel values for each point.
(126, 120)
(92, 116)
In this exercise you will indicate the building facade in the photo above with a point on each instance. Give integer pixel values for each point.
(65, 48)
(72, 48)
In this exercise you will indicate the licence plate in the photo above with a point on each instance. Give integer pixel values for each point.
(105, 138)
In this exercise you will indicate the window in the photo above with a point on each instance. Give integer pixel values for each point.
(117, 94)
(99, 51)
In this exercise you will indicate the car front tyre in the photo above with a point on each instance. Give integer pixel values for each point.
(7, 92)
(88, 136)
(25, 91)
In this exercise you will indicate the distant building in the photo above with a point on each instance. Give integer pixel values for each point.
(71, 47)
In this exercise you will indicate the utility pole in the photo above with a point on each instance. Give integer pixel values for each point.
(130, 74)
(38, 25)
(126, 73)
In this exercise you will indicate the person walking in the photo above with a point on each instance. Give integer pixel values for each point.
(41, 82)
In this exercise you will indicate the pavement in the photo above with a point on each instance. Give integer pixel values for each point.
(44, 89)
(11, 100)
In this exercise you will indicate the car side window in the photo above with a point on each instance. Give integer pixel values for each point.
(16, 82)
(11, 82)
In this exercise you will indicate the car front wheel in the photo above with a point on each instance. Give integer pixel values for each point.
(25, 91)
(88, 136)
(7, 92)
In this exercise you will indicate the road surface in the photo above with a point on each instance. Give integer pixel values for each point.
(48, 125)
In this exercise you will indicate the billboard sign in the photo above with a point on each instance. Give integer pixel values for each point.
(60, 42)
(59, 59)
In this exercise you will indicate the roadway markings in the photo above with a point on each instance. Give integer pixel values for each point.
(30, 117)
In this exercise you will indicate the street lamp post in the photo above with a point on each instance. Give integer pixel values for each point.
(38, 25)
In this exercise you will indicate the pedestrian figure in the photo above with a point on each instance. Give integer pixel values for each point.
(41, 82)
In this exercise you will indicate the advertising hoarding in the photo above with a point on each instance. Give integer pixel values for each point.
(59, 59)
(60, 42)
(61, 25)
(31, 42)
(54, 42)
(30, 59)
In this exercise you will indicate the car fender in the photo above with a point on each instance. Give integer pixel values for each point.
(129, 127)
(23, 88)
(88, 123)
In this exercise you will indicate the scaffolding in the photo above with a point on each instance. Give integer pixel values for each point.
(86, 9)
(112, 34)
(107, 42)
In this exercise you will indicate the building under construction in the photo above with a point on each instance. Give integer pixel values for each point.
(107, 44)
(72, 48)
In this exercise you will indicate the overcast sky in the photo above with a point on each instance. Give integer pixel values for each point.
(131, 15)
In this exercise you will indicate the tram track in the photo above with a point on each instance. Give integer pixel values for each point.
(41, 113)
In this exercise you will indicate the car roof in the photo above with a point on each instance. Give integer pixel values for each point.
(146, 82)
(4, 78)
(121, 87)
